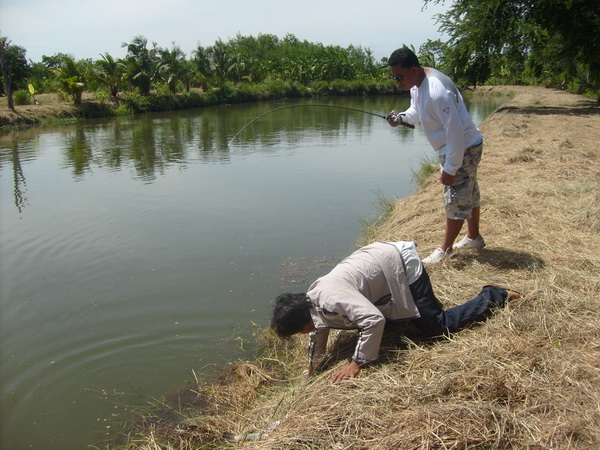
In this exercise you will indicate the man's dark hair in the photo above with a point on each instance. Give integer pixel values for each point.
(404, 57)
(291, 314)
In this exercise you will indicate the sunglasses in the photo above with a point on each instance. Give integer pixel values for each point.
(397, 77)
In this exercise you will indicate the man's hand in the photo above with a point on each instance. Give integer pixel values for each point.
(447, 179)
(349, 371)
(391, 118)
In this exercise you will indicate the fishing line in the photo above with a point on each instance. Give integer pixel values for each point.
(386, 117)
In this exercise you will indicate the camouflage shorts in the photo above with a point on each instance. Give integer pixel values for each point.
(463, 195)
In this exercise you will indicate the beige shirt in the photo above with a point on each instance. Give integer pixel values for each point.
(363, 291)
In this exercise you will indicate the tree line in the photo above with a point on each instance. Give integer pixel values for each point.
(545, 42)
(147, 67)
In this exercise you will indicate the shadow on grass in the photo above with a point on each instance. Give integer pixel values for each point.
(397, 337)
(501, 259)
(552, 110)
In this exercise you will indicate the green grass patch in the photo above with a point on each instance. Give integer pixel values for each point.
(427, 168)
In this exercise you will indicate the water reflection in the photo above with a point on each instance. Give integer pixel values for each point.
(19, 180)
(78, 152)
(149, 144)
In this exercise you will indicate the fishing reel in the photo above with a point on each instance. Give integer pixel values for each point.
(395, 117)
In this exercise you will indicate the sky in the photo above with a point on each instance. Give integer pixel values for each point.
(88, 28)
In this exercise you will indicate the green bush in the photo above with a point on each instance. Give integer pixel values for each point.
(22, 97)
(226, 93)
(194, 100)
(92, 110)
(133, 102)
(320, 87)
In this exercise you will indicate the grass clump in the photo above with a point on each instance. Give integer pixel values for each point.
(427, 168)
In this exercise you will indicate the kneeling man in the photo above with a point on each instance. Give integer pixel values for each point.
(382, 281)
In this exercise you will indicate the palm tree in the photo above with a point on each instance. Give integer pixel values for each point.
(222, 63)
(70, 76)
(172, 67)
(142, 63)
(189, 74)
(109, 73)
(202, 65)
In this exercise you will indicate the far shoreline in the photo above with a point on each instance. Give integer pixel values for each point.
(49, 109)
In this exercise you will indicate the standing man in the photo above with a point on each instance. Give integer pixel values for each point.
(436, 102)
(382, 281)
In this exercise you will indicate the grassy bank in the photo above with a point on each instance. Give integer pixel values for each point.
(527, 378)
(50, 107)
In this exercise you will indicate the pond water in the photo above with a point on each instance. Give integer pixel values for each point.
(137, 250)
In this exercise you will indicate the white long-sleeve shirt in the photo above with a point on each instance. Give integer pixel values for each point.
(439, 106)
(363, 291)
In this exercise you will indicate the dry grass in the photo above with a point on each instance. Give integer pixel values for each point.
(527, 378)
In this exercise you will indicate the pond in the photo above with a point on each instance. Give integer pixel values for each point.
(137, 250)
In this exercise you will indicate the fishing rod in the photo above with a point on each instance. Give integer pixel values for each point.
(396, 117)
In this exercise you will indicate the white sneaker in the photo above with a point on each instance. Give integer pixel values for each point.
(437, 256)
(467, 242)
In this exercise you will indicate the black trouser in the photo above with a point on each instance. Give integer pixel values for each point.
(434, 321)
